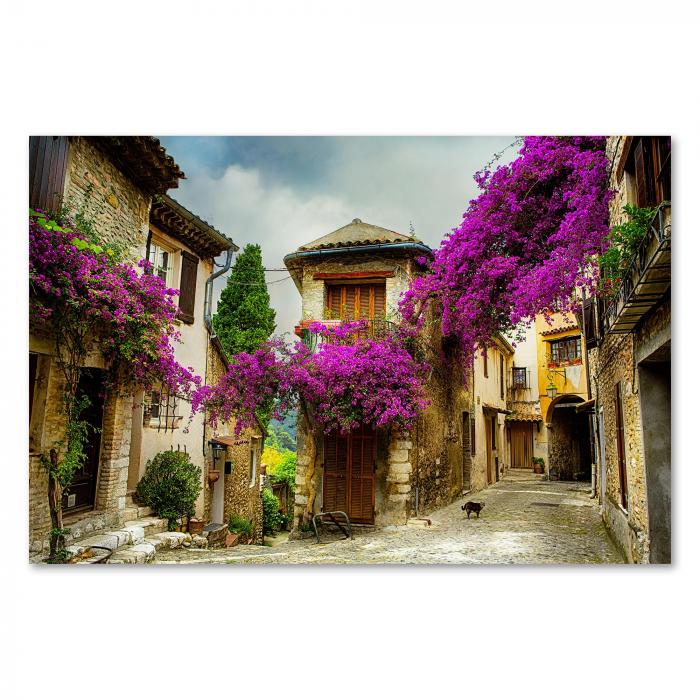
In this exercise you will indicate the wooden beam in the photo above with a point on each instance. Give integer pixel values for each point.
(353, 275)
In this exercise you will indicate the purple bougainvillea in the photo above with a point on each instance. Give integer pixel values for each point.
(524, 243)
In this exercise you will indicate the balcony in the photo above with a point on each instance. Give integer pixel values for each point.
(374, 328)
(646, 280)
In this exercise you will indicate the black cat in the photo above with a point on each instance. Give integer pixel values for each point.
(473, 507)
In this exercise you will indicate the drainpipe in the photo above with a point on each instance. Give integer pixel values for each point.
(208, 296)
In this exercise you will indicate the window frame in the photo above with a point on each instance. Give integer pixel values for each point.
(556, 346)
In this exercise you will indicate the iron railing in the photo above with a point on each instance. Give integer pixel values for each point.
(374, 328)
(646, 280)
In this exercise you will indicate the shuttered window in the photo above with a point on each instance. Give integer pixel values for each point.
(351, 302)
(48, 156)
(188, 286)
(650, 163)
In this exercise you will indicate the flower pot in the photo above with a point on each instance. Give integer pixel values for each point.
(196, 526)
(232, 539)
(213, 476)
(538, 469)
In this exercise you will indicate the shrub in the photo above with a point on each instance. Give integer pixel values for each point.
(170, 486)
(241, 525)
(272, 518)
(285, 469)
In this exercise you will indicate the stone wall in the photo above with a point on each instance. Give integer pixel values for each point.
(616, 361)
(241, 497)
(118, 209)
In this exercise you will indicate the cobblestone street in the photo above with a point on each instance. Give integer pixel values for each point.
(525, 521)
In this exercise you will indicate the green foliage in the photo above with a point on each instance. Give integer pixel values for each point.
(285, 471)
(288, 425)
(272, 518)
(278, 438)
(237, 523)
(244, 319)
(170, 486)
(538, 460)
(623, 242)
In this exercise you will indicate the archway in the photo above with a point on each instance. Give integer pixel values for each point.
(569, 439)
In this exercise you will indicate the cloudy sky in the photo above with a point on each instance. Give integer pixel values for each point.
(284, 191)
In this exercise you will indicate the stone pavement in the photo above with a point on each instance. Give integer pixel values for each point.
(526, 521)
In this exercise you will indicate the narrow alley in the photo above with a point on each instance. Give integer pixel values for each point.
(525, 521)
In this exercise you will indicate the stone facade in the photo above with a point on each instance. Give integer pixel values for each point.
(622, 360)
(119, 211)
(415, 471)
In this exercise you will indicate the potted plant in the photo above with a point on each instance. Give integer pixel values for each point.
(238, 529)
(538, 465)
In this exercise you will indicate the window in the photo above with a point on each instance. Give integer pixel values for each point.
(48, 157)
(649, 164)
(352, 302)
(566, 350)
(520, 378)
(188, 286)
(620, 439)
(162, 411)
(253, 463)
(161, 260)
(502, 376)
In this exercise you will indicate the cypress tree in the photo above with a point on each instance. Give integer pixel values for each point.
(244, 319)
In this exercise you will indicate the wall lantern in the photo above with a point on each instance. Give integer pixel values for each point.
(551, 389)
(217, 449)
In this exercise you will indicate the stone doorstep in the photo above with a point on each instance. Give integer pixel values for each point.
(135, 543)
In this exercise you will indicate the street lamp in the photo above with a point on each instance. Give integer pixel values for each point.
(217, 449)
(551, 391)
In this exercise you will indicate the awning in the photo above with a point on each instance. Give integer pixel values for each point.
(580, 408)
(525, 417)
(497, 409)
(228, 440)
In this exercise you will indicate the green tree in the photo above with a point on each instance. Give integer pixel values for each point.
(244, 319)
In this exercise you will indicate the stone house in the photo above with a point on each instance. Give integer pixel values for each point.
(629, 350)
(489, 444)
(112, 180)
(379, 477)
(234, 474)
(182, 248)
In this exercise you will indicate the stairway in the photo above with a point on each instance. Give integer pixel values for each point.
(135, 542)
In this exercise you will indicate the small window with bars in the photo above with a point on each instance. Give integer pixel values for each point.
(161, 411)
(565, 350)
(520, 378)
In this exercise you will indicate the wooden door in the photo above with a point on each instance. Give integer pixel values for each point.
(348, 474)
(80, 495)
(521, 445)
(466, 452)
(489, 452)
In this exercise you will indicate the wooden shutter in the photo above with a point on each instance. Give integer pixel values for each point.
(640, 175)
(361, 506)
(48, 156)
(620, 437)
(335, 459)
(379, 310)
(472, 436)
(589, 323)
(188, 286)
(502, 377)
(365, 291)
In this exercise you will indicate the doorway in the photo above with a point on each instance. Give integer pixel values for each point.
(466, 452)
(490, 426)
(521, 445)
(655, 398)
(80, 495)
(348, 474)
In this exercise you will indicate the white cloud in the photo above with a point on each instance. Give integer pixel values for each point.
(385, 181)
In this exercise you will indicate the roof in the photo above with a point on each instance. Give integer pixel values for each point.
(560, 329)
(357, 233)
(144, 160)
(188, 228)
(533, 417)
